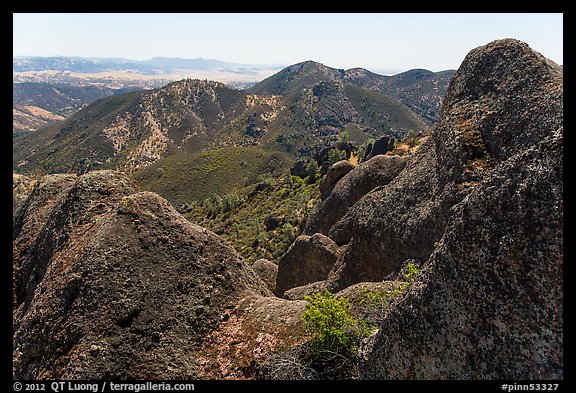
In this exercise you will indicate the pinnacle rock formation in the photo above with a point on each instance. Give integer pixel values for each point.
(112, 282)
(487, 303)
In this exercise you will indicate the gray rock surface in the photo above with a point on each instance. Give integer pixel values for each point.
(299, 293)
(349, 189)
(114, 283)
(335, 173)
(381, 146)
(488, 303)
(307, 260)
(394, 222)
(267, 271)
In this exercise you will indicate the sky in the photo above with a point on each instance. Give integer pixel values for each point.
(377, 41)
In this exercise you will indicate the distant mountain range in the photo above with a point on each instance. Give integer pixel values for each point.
(154, 66)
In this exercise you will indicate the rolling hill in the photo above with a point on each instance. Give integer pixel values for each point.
(58, 98)
(300, 110)
(28, 118)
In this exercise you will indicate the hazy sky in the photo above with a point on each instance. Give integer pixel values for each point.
(344, 40)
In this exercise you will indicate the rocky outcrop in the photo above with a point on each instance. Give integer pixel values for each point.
(300, 292)
(502, 100)
(267, 271)
(335, 173)
(489, 304)
(299, 169)
(365, 177)
(307, 260)
(110, 282)
(255, 329)
(381, 146)
(394, 222)
(271, 221)
(488, 301)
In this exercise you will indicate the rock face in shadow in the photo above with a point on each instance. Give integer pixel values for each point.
(381, 146)
(488, 301)
(307, 260)
(267, 271)
(394, 222)
(504, 99)
(110, 282)
(362, 179)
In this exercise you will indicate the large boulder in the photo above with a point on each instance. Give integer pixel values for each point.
(254, 330)
(113, 283)
(381, 146)
(308, 259)
(503, 99)
(394, 222)
(365, 177)
(335, 173)
(488, 301)
(267, 271)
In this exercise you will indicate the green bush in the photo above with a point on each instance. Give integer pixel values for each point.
(333, 329)
(408, 278)
(378, 299)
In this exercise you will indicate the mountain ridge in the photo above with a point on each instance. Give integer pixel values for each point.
(419, 89)
(136, 129)
(155, 66)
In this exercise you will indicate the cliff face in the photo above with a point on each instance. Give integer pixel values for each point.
(110, 282)
(479, 207)
(488, 301)
(504, 99)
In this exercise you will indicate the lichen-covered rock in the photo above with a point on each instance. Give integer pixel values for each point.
(27, 224)
(308, 259)
(488, 301)
(504, 98)
(267, 271)
(250, 333)
(369, 301)
(335, 173)
(114, 283)
(349, 189)
(299, 293)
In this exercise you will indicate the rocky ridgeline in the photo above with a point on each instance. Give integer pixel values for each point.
(112, 282)
(479, 206)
